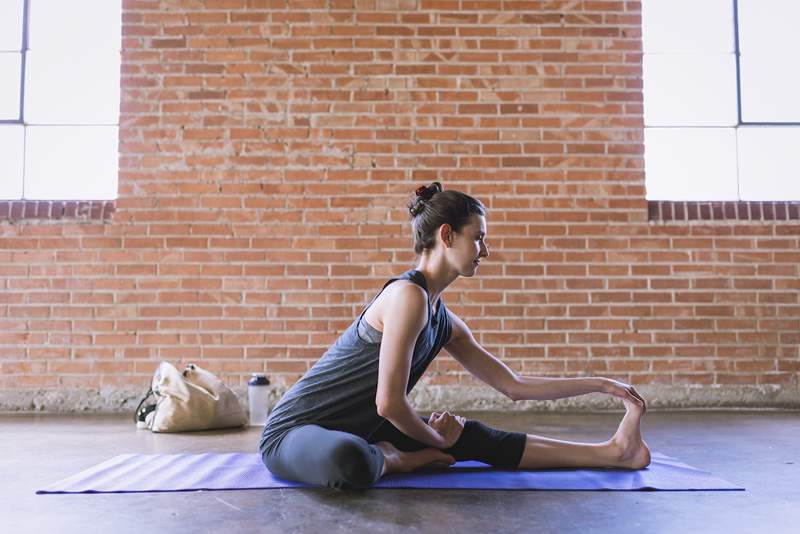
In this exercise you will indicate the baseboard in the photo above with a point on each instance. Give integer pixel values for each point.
(429, 398)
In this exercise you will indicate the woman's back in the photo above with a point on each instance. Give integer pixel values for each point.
(338, 392)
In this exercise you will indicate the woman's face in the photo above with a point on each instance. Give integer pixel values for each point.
(468, 246)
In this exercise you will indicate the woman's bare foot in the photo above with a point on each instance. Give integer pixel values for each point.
(396, 461)
(630, 450)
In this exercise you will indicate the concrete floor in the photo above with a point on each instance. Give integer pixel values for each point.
(757, 450)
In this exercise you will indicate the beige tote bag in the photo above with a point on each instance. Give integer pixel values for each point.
(192, 400)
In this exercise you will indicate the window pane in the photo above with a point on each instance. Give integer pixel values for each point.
(687, 26)
(768, 163)
(76, 24)
(770, 88)
(10, 71)
(690, 90)
(690, 163)
(71, 162)
(769, 43)
(72, 88)
(11, 25)
(769, 26)
(11, 151)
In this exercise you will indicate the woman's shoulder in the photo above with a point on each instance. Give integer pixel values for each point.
(400, 297)
(406, 289)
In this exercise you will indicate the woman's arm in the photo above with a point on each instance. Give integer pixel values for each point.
(404, 319)
(489, 369)
(478, 361)
(405, 419)
(536, 388)
(542, 388)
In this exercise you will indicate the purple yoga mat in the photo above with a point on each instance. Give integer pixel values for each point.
(131, 473)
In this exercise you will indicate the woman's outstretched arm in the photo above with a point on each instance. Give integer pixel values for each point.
(489, 369)
(478, 361)
(545, 388)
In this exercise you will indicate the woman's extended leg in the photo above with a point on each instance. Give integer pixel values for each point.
(625, 449)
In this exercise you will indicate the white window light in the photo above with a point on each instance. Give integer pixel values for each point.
(768, 167)
(690, 90)
(72, 87)
(11, 12)
(690, 163)
(687, 26)
(71, 162)
(10, 72)
(12, 146)
(69, 139)
(695, 146)
(75, 24)
(769, 45)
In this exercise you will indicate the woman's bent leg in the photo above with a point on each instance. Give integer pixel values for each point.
(478, 441)
(324, 457)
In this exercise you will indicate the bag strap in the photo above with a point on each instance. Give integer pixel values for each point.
(146, 396)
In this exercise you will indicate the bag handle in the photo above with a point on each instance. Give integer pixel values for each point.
(146, 396)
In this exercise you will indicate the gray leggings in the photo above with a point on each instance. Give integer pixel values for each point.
(325, 457)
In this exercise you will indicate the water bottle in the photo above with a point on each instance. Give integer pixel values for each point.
(257, 389)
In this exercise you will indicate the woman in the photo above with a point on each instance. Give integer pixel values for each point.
(347, 421)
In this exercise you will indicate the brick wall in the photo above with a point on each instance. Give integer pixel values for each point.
(268, 149)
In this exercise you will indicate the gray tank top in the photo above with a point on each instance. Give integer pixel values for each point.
(338, 392)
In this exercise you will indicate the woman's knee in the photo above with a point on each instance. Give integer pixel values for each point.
(318, 456)
(353, 464)
(498, 448)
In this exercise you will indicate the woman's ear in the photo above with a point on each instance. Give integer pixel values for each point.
(446, 231)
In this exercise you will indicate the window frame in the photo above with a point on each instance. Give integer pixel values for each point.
(737, 57)
(717, 210)
(19, 209)
(23, 55)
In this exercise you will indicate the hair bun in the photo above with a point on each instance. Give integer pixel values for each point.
(426, 192)
(423, 193)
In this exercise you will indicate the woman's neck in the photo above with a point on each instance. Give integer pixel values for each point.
(437, 276)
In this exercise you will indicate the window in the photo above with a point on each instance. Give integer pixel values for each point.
(59, 99)
(722, 120)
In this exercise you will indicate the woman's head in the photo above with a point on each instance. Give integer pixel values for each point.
(445, 216)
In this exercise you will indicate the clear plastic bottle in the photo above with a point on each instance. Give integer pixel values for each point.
(257, 391)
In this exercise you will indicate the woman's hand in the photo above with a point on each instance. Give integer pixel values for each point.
(448, 426)
(623, 391)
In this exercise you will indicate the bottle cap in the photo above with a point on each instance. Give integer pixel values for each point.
(258, 379)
